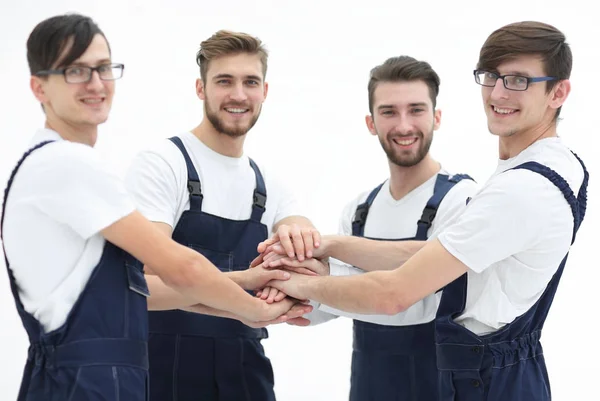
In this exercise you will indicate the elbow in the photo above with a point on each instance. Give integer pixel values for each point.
(392, 304)
(180, 275)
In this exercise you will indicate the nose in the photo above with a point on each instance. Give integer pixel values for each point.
(238, 92)
(404, 125)
(95, 82)
(499, 91)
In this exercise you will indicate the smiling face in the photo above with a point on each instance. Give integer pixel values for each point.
(233, 93)
(404, 120)
(82, 105)
(513, 112)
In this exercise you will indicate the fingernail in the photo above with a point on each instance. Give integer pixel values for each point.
(309, 254)
(286, 275)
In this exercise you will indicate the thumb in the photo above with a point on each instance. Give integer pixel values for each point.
(278, 275)
(263, 245)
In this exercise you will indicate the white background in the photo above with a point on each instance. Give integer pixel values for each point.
(312, 132)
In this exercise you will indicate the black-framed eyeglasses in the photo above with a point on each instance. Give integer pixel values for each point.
(511, 82)
(79, 74)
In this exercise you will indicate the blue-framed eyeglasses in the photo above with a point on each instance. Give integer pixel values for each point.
(511, 82)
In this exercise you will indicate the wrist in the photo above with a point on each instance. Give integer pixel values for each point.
(330, 245)
(238, 277)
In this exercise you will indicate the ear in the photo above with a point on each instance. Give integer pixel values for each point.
(437, 119)
(559, 93)
(37, 87)
(266, 90)
(200, 89)
(370, 124)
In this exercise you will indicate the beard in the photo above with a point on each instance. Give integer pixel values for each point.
(406, 158)
(221, 127)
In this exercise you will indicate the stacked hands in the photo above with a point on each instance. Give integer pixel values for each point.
(287, 259)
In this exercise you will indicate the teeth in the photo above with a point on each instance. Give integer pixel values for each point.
(236, 110)
(405, 142)
(92, 100)
(503, 111)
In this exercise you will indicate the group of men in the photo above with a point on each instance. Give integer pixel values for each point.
(448, 281)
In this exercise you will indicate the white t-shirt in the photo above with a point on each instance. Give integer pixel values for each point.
(513, 235)
(394, 219)
(61, 198)
(157, 180)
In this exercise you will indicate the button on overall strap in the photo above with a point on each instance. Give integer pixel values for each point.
(443, 184)
(193, 184)
(259, 199)
(362, 210)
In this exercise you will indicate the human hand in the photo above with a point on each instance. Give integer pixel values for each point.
(291, 308)
(293, 241)
(270, 294)
(311, 267)
(292, 316)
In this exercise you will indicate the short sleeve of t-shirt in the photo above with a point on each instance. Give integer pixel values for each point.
(70, 183)
(505, 218)
(154, 181)
(287, 203)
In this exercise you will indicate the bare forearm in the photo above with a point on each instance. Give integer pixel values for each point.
(366, 293)
(205, 284)
(207, 310)
(163, 297)
(182, 269)
(371, 255)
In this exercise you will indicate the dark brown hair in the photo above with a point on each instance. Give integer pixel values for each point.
(404, 68)
(529, 38)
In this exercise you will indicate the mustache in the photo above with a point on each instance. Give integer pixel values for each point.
(396, 134)
(238, 105)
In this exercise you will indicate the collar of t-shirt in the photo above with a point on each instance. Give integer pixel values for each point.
(387, 194)
(527, 154)
(203, 152)
(44, 134)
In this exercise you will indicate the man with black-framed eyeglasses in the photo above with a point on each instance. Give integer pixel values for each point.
(72, 239)
(81, 74)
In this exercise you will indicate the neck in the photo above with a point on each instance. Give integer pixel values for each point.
(405, 179)
(81, 134)
(219, 142)
(511, 146)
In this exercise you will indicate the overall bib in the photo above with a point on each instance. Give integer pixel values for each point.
(100, 352)
(196, 357)
(507, 364)
(397, 363)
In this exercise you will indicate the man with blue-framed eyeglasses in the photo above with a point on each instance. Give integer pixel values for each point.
(501, 261)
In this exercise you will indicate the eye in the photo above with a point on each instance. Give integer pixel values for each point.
(521, 80)
(223, 82)
(417, 110)
(75, 71)
(252, 82)
(104, 68)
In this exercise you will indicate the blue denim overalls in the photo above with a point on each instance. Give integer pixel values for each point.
(206, 358)
(397, 363)
(509, 363)
(100, 352)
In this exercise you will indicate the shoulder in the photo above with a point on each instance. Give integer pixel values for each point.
(63, 161)
(162, 150)
(553, 154)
